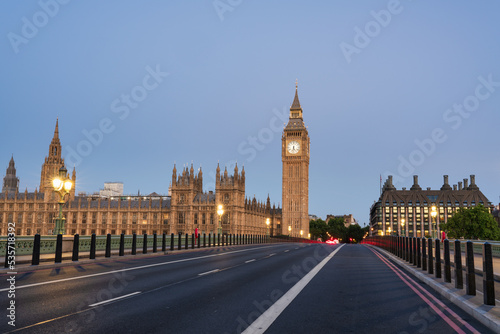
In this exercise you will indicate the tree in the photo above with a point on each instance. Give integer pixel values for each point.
(337, 229)
(318, 229)
(355, 232)
(472, 223)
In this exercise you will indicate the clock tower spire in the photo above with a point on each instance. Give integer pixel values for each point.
(295, 183)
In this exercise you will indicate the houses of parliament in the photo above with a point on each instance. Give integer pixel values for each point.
(185, 208)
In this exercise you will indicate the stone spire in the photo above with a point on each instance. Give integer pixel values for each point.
(10, 181)
(296, 103)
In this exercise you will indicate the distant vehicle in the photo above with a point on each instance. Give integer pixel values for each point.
(332, 241)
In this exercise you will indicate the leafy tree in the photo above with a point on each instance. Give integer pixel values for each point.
(318, 229)
(472, 223)
(337, 229)
(355, 232)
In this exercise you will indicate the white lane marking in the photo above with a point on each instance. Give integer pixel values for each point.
(271, 254)
(250, 261)
(113, 299)
(296, 248)
(267, 318)
(287, 250)
(128, 269)
(209, 272)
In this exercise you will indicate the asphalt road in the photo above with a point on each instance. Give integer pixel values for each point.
(278, 288)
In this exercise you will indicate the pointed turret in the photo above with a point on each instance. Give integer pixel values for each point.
(10, 181)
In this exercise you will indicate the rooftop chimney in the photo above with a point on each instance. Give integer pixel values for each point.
(454, 187)
(473, 182)
(415, 185)
(466, 183)
(446, 185)
(459, 185)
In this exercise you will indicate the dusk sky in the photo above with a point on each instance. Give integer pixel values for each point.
(387, 87)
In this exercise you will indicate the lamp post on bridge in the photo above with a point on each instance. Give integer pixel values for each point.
(267, 223)
(62, 185)
(220, 212)
(433, 215)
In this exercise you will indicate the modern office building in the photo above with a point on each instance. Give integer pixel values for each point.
(410, 212)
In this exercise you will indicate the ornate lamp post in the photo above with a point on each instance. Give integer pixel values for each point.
(433, 215)
(301, 233)
(220, 212)
(403, 227)
(289, 230)
(267, 223)
(62, 185)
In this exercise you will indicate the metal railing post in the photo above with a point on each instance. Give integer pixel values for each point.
(58, 258)
(488, 277)
(470, 275)
(35, 257)
(108, 246)
(459, 278)
(447, 262)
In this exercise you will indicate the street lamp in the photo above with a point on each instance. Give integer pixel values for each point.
(403, 226)
(289, 230)
(433, 215)
(62, 185)
(389, 230)
(267, 223)
(220, 212)
(301, 233)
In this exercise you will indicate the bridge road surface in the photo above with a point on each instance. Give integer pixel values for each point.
(272, 288)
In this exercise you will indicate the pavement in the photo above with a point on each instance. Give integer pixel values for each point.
(473, 305)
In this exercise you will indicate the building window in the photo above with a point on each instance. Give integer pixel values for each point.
(124, 219)
(212, 218)
(94, 217)
(196, 219)
(180, 217)
(84, 218)
(104, 218)
(203, 218)
(134, 218)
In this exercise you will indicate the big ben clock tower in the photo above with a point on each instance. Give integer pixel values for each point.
(295, 157)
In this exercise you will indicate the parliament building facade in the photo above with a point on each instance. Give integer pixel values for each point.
(185, 208)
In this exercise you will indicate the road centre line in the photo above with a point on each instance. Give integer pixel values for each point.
(209, 272)
(262, 323)
(286, 250)
(250, 261)
(113, 299)
(133, 268)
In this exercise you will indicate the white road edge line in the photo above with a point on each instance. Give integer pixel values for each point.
(113, 299)
(287, 250)
(250, 261)
(133, 268)
(262, 323)
(209, 272)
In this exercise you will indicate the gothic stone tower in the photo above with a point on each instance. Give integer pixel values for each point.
(295, 158)
(10, 181)
(50, 168)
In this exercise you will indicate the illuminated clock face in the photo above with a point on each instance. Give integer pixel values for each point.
(293, 147)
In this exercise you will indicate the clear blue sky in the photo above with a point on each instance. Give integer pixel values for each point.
(375, 78)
